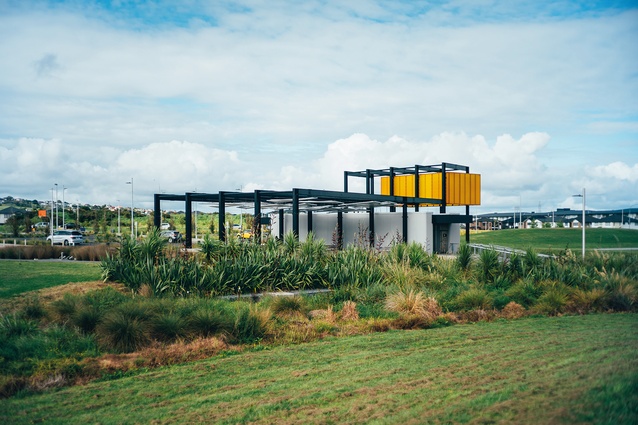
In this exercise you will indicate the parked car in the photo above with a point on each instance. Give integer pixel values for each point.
(41, 225)
(171, 235)
(66, 237)
(165, 226)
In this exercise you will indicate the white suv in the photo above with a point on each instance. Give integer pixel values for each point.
(66, 237)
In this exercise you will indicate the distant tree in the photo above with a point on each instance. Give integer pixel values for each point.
(14, 225)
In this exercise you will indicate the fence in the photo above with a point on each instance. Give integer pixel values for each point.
(503, 251)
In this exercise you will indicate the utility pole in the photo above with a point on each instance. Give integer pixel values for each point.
(57, 223)
(132, 219)
(63, 205)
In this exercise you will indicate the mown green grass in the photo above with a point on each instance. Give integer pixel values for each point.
(570, 369)
(555, 240)
(17, 277)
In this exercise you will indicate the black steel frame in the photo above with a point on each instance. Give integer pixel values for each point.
(299, 200)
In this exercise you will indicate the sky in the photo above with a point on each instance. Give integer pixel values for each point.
(539, 97)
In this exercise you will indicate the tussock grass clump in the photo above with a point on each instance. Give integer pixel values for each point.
(284, 305)
(209, 321)
(123, 332)
(66, 307)
(14, 326)
(126, 328)
(513, 310)
(34, 309)
(478, 315)
(473, 299)
(583, 301)
(251, 323)
(168, 326)
(87, 317)
(525, 292)
(415, 304)
(327, 315)
(349, 311)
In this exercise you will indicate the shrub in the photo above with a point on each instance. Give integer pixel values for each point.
(474, 299)
(583, 301)
(501, 281)
(500, 300)
(552, 302)
(464, 257)
(621, 297)
(488, 265)
(525, 292)
(531, 260)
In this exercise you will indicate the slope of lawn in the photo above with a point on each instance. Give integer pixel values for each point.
(17, 277)
(555, 240)
(570, 369)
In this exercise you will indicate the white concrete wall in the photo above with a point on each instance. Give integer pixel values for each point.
(388, 227)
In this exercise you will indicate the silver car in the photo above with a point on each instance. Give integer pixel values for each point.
(66, 237)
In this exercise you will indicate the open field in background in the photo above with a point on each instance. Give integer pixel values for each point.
(571, 369)
(17, 277)
(556, 240)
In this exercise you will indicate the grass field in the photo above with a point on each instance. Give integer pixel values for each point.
(17, 277)
(555, 240)
(571, 369)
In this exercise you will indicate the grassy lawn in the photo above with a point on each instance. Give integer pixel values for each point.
(17, 277)
(558, 239)
(571, 369)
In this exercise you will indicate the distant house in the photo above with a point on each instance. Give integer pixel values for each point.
(8, 212)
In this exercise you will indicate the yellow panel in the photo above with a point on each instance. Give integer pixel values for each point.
(462, 188)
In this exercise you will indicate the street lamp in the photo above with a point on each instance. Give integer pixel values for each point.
(57, 223)
(63, 189)
(583, 196)
(132, 230)
(119, 232)
(51, 220)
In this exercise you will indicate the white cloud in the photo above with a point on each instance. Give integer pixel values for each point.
(266, 97)
(505, 165)
(617, 170)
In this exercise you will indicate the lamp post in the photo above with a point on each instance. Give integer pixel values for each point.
(132, 220)
(583, 196)
(63, 190)
(51, 220)
(119, 231)
(57, 223)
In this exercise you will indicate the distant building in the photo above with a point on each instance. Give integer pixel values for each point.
(6, 213)
(562, 217)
